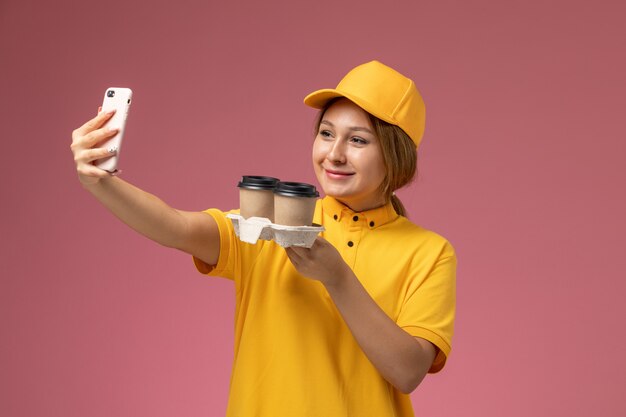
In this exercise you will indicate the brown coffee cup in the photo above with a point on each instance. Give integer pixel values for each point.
(256, 196)
(294, 203)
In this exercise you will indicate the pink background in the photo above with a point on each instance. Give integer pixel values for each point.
(522, 169)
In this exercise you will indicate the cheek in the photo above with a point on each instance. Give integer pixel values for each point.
(382, 170)
(378, 172)
(317, 157)
(317, 153)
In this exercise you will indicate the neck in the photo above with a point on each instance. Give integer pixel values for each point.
(359, 207)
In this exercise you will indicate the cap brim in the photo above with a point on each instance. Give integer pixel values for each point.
(319, 98)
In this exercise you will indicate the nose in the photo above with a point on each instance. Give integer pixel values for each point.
(336, 154)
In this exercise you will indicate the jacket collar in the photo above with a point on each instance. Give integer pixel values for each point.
(374, 218)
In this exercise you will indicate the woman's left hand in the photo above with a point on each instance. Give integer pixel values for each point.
(321, 262)
(402, 359)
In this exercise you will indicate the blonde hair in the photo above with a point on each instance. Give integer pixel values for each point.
(399, 155)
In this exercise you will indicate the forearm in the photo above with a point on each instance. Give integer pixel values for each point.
(142, 211)
(398, 356)
(403, 360)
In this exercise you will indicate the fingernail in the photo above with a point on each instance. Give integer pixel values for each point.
(111, 129)
(111, 111)
(112, 149)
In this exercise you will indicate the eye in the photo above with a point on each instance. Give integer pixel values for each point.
(325, 133)
(358, 140)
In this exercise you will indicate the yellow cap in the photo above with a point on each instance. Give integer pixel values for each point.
(382, 92)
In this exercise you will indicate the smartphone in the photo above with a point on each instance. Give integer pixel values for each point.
(119, 99)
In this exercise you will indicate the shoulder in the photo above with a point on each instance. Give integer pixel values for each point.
(412, 235)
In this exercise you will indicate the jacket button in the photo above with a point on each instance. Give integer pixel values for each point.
(350, 243)
(335, 217)
(371, 224)
(355, 218)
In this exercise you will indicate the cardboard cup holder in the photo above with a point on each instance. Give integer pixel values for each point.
(260, 228)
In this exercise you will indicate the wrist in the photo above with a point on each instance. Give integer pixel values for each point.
(93, 184)
(341, 280)
(89, 183)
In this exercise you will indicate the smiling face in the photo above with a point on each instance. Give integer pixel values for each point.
(347, 157)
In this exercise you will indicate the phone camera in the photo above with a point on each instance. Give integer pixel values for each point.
(111, 93)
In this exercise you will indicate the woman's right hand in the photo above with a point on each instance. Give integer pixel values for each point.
(196, 233)
(84, 142)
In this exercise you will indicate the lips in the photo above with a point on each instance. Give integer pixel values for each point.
(337, 174)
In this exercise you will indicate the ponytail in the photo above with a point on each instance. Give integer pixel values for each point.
(397, 205)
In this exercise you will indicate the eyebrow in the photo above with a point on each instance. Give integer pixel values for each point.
(353, 128)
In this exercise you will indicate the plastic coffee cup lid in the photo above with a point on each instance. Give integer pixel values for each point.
(255, 182)
(296, 189)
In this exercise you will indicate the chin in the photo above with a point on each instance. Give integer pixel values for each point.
(334, 191)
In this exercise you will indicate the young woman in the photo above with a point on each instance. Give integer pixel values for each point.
(352, 325)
